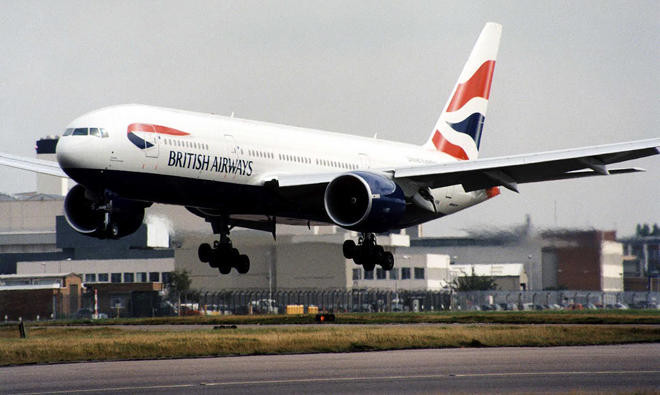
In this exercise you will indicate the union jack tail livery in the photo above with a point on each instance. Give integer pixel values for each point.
(458, 130)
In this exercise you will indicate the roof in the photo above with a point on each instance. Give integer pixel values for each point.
(24, 287)
(40, 275)
(493, 270)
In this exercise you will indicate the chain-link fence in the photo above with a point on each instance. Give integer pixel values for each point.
(153, 304)
(553, 300)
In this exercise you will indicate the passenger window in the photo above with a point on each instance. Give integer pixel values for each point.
(80, 132)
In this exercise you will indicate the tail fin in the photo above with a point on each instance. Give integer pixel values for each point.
(458, 130)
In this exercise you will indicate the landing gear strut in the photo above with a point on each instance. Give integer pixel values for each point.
(223, 256)
(367, 253)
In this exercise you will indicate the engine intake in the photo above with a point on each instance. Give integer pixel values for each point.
(87, 215)
(365, 202)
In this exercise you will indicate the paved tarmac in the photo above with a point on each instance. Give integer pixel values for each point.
(482, 370)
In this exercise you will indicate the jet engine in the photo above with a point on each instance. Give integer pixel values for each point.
(102, 218)
(364, 202)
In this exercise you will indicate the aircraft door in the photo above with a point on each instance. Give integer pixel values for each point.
(232, 151)
(364, 162)
(151, 142)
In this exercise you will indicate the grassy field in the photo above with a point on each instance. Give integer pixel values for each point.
(60, 344)
(494, 317)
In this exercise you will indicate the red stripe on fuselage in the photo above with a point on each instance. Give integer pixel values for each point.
(443, 145)
(147, 127)
(477, 86)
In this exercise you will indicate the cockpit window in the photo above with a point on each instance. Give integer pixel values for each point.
(80, 132)
(98, 132)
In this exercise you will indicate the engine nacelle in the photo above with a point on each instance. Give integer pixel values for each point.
(364, 202)
(113, 219)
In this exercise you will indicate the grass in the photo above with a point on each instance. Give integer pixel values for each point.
(609, 317)
(63, 344)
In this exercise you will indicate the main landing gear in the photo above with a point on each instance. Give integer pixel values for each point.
(223, 256)
(367, 253)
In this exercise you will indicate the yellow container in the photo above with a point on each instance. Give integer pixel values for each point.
(295, 309)
(313, 310)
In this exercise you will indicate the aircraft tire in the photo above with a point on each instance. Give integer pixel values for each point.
(349, 249)
(387, 261)
(369, 264)
(204, 252)
(224, 268)
(243, 264)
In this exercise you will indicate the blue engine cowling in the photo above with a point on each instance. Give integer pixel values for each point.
(364, 202)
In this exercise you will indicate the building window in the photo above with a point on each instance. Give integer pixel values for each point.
(380, 274)
(103, 277)
(115, 277)
(129, 277)
(405, 273)
(90, 277)
(419, 273)
(368, 274)
(154, 277)
(165, 277)
(394, 274)
(357, 274)
(142, 277)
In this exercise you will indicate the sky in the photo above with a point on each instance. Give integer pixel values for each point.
(568, 74)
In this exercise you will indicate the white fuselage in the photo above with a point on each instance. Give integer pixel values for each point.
(216, 149)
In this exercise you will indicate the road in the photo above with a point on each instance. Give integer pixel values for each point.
(476, 370)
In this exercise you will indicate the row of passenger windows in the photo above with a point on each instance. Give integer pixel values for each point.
(140, 277)
(184, 143)
(394, 274)
(264, 154)
(98, 132)
(302, 159)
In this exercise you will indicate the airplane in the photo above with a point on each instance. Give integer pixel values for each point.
(240, 173)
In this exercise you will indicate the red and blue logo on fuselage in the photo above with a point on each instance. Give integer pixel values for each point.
(136, 133)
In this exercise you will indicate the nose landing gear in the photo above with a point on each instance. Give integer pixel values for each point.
(367, 253)
(223, 256)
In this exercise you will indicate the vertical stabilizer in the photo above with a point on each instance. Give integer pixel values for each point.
(458, 130)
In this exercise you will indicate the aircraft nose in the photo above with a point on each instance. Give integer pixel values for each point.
(67, 151)
(79, 154)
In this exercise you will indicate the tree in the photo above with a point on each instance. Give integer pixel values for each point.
(178, 284)
(179, 281)
(473, 282)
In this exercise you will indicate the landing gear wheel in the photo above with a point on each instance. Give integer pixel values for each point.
(367, 253)
(204, 252)
(349, 249)
(369, 265)
(243, 264)
(224, 268)
(222, 255)
(387, 261)
(214, 259)
(379, 251)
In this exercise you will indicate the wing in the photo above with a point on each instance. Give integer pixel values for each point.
(30, 164)
(503, 171)
(545, 166)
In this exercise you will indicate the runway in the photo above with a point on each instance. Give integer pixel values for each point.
(474, 370)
